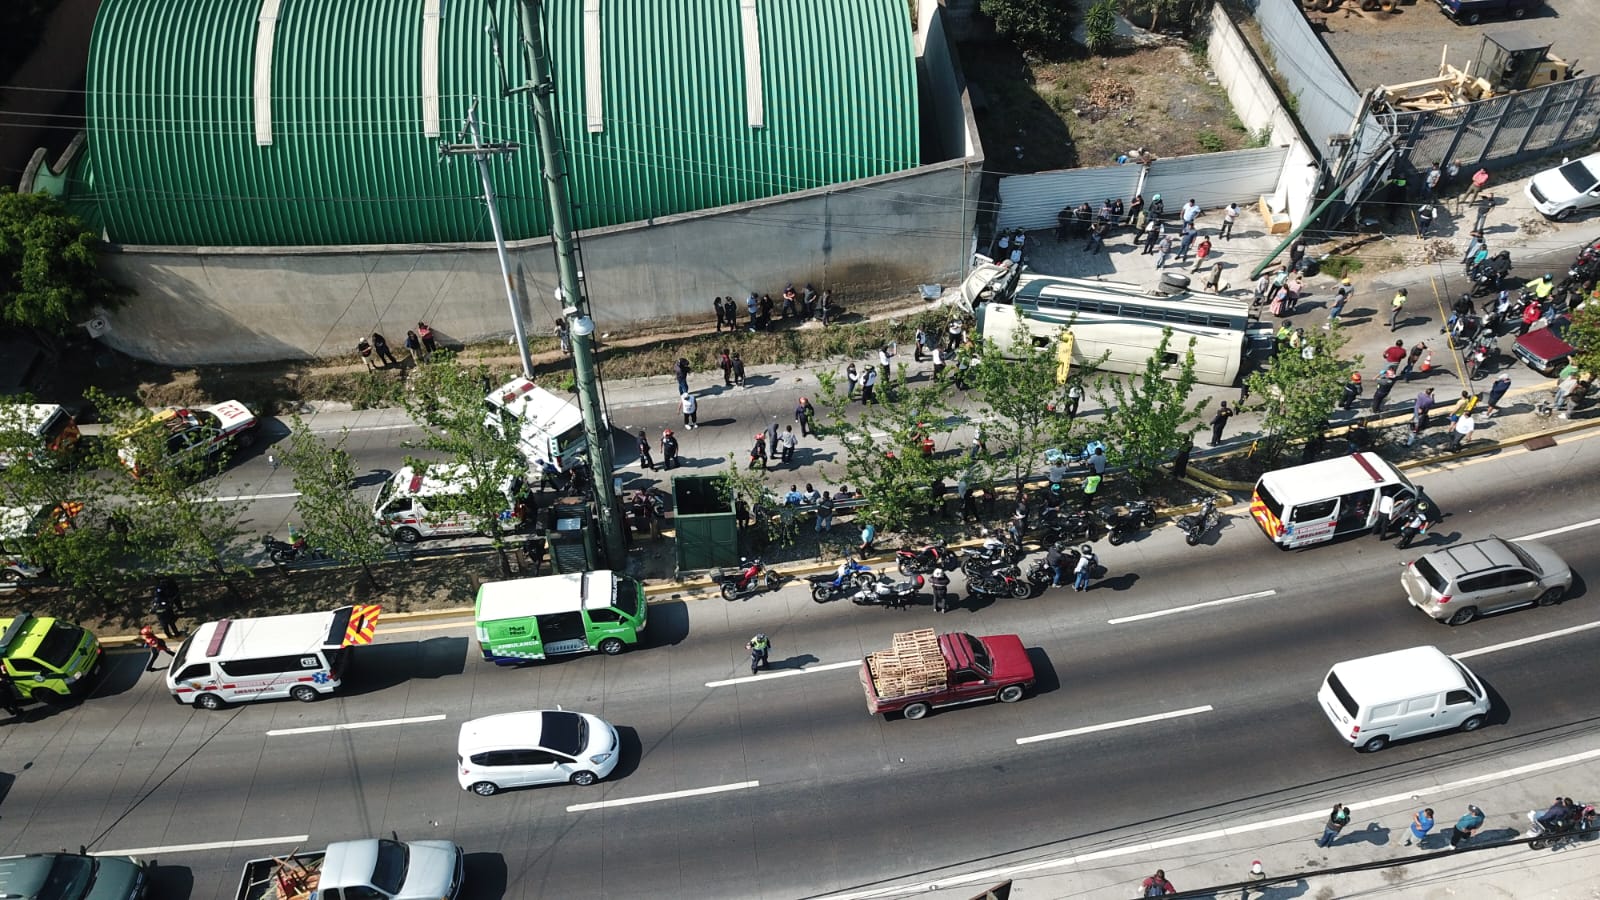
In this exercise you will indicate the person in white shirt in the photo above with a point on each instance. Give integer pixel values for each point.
(1229, 216)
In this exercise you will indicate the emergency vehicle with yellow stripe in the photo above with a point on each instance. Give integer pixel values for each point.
(191, 434)
(302, 656)
(1323, 500)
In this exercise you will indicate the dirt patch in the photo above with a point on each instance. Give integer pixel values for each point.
(1037, 115)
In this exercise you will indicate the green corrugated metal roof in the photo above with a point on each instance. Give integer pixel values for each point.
(173, 157)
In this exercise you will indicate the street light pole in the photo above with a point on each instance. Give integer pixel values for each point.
(481, 152)
(581, 326)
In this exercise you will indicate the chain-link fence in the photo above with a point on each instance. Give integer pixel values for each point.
(1501, 131)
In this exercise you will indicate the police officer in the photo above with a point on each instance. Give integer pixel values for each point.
(940, 582)
(760, 646)
(165, 607)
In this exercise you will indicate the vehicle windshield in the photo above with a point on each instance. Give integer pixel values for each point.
(980, 654)
(182, 655)
(1580, 176)
(1431, 575)
(205, 419)
(1470, 679)
(389, 872)
(625, 597)
(563, 732)
(70, 878)
(1269, 501)
(58, 644)
(1345, 700)
(1523, 557)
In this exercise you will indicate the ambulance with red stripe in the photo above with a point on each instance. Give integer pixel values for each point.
(302, 656)
(1323, 500)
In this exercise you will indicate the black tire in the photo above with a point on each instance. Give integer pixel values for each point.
(305, 693)
(904, 563)
(1473, 723)
(1115, 537)
(1021, 589)
(611, 646)
(209, 701)
(245, 440)
(1039, 576)
(773, 582)
(584, 778)
(865, 579)
(1191, 538)
(1551, 597)
(1011, 693)
(1518, 12)
(915, 710)
(1462, 616)
(729, 591)
(1374, 744)
(282, 556)
(1473, 18)
(821, 593)
(485, 789)
(1537, 844)
(405, 534)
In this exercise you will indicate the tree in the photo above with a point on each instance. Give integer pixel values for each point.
(882, 448)
(1169, 9)
(446, 402)
(1299, 391)
(1022, 400)
(170, 520)
(772, 520)
(49, 273)
(1100, 26)
(1584, 335)
(1152, 413)
(1037, 26)
(334, 517)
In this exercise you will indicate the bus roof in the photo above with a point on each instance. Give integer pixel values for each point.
(521, 597)
(1329, 478)
(269, 635)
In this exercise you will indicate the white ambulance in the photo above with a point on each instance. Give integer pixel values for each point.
(302, 656)
(413, 504)
(1323, 500)
(548, 429)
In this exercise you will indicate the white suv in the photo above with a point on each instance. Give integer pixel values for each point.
(1569, 187)
(551, 746)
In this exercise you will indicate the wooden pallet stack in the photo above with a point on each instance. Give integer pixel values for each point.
(912, 664)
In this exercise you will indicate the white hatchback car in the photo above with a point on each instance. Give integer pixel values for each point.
(1567, 188)
(548, 746)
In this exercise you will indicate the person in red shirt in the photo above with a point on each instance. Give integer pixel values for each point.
(1157, 885)
(1396, 353)
(157, 646)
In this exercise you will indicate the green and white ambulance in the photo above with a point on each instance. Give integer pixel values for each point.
(532, 618)
(49, 660)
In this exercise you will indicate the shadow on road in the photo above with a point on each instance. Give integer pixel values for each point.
(176, 882)
(486, 877)
(381, 666)
(669, 624)
(1044, 671)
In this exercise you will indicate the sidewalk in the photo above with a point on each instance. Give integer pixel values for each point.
(1212, 857)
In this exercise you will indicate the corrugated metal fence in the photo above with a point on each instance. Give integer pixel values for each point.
(1031, 202)
(1327, 102)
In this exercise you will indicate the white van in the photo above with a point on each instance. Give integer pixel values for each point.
(301, 656)
(1323, 500)
(547, 428)
(32, 425)
(1376, 700)
(414, 505)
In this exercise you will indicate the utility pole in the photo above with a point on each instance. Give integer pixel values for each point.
(540, 86)
(481, 152)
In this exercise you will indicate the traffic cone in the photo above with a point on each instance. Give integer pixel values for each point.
(1427, 362)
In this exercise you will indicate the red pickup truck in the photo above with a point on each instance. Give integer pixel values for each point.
(922, 671)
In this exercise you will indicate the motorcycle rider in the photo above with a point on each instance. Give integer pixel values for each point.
(940, 582)
(1056, 559)
(1543, 288)
(1559, 811)
(1416, 525)
(759, 646)
(1086, 564)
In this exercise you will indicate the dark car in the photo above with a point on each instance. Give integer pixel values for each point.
(1471, 12)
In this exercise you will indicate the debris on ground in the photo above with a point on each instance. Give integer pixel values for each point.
(1431, 251)
(1104, 96)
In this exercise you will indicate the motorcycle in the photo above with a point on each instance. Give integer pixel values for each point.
(1067, 526)
(885, 591)
(1123, 521)
(999, 582)
(1479, 353)
(921, 560)
(1198, 524)
(1041, 573)
(850, 576)
(282, 552)
(996, 551)
(1553, 835)
(752, 578)
(1499, 311)
(1488, 276)
(1410, 531)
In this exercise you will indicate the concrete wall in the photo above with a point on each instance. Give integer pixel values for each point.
(948, 105)
(868, 240)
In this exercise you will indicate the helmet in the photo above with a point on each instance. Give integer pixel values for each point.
(1422, 507)
(1345, 280)
(666, 432)
(1547, 276)
(1086, 549)
(147, 631)
(938, 573)
(1355, 377)
(1156, 197)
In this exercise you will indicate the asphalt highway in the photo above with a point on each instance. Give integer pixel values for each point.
(811, 794)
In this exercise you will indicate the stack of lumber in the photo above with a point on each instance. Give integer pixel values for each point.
(913, 664)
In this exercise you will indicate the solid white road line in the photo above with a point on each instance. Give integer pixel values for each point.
(1554, 531)
(1531, 639)
(1229, 833)
(1108, 726)
(249, 498)
(785, 673)
(1191, 607)
(352, 726)
(290, 839)
(674, 795)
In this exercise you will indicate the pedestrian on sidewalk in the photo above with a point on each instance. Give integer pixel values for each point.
(1380, 394)
(869, 537)
(1420, 408)
(922, 344)
(1297, 254)
(1480, 180)
(716, 304)
(691, 409)
(645, 462)
(1186, 240)
(364, 350)
(1498, 390)
(1352, 391)
(1097, 238)
(1462, 431)
(1337, 820)
(1394, 354)
(1201, 251)
(938, 362)
(1466, 827)
(166, 608)
(758, 451)
(1421, 824)
(1164, 250)
(1230, 214)
(789, 441)
(1180, 461)
(669, 449)
(1395, 305)
(147, 636)
(803, 411)
(725, 363)
(824, 513)
(1157, 885)
(738, 369)
(957, 334)
(1430, 182)
(741, 512)
(853, 379)
(1219, 421)
(414, 347)
(869, 380)
(381, 347)
(680, 371)
(885, 356)
(1412, 358)
(1191, 212)
(429, 345)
